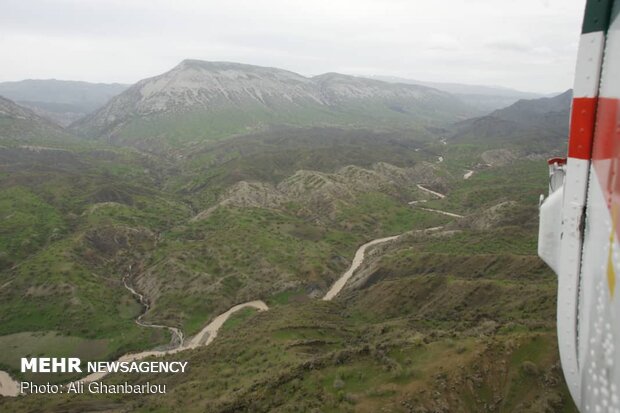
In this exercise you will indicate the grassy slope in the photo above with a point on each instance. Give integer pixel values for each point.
(27, 223)
(421, 336)
(76, 219)
(277, 154)
(179, 130)
(451, 322)
(242, 254)
(68, 216)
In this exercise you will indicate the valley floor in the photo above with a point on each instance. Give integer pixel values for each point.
(454, 314)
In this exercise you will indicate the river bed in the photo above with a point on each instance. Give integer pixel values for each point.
(10, 387)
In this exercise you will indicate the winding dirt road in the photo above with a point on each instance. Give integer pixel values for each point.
(439, 211)
(203, 338)
(440, 196)
(10, 387)
(357, 261)
(430, 191)
(210, 331)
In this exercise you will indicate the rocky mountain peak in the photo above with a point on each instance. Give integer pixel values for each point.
(264, 95)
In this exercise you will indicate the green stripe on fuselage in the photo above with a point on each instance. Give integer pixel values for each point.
(615, 11)
(596, 16)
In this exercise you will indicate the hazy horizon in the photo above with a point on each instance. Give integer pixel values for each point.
(529, 46)
(377, 76)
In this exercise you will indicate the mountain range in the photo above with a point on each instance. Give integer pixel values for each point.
(539, 124)
(61, 101)
(219, 183)
(209, 100)
(482, 97)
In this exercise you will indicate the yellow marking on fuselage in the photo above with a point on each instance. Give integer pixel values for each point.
(611, 272)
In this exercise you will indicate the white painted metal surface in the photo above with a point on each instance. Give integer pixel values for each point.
(578, 234)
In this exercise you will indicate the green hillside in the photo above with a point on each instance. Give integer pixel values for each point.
(456, 318)
(452, 321)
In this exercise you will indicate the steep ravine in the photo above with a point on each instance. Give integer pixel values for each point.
(177, 335)
(10, 387)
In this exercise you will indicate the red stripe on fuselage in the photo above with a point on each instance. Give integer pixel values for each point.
(606, 151)
(582, 128)
(607, 130)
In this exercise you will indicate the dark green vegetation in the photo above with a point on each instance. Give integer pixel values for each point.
(72, 221)
(459, 318)
(528, 126)
(275, 155)
(78, 216)
(428, 330)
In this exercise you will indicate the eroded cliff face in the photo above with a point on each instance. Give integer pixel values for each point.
(263, 95)
(320, 193)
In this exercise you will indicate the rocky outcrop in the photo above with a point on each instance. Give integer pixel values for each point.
(498, 157)
(319, 192)
(266, 93)
(493, 216)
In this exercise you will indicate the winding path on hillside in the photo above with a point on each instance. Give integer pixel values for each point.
(203, 338)
(430, 191)
(208, 334)
(10, 387)
(358, 259)
(440, 196)
(439, 211)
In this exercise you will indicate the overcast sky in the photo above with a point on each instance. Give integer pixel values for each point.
(525, 44)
